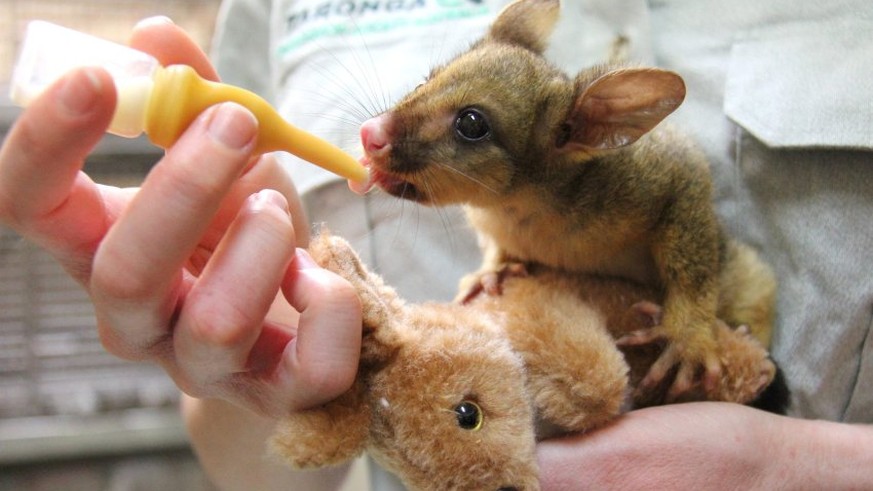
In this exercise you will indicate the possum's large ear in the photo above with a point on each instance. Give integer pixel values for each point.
(621, 106)
(525, 23)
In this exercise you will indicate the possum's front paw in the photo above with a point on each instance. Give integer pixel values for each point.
(489, 282)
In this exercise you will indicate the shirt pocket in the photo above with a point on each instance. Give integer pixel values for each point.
(805, 85)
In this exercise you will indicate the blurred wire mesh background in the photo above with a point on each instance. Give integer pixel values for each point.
(72, 416)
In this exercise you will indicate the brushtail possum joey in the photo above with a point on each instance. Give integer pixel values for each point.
(576, 174)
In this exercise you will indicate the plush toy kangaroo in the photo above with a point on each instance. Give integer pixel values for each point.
(448, 396)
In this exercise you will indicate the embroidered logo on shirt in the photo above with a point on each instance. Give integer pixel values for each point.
(318, 20)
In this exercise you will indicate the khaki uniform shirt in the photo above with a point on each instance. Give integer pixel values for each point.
(780, 96)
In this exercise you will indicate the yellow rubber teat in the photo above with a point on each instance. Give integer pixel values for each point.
(179, 95)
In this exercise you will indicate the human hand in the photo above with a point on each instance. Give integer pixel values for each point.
(184, 270)
(710, 445)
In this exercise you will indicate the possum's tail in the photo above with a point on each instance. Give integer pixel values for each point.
(747, 292)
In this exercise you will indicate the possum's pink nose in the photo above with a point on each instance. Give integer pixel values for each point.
(375, 136)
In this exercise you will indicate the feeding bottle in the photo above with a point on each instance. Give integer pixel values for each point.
(160, 101)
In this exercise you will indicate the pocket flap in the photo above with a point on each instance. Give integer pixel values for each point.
(805, 85)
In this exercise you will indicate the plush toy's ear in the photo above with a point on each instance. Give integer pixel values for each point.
(381, 307)
(525, 23)
(339, 430)
(621, 106)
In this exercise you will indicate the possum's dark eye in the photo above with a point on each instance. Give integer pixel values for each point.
(469, 415)
(471, 125)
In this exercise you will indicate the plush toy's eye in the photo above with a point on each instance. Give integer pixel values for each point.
(471, 125)
(469, 415)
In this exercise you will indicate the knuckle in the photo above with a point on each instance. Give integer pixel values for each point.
(191, 388)
(114, 281)
(190, 183)
(219, 324)
(133, 345)
(114, 343)
(182, 170)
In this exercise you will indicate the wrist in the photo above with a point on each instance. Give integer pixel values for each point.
(816, 454)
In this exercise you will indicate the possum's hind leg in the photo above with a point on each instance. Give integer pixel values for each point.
(746, 365)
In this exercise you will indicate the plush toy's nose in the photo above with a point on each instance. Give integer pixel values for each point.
(508, 488)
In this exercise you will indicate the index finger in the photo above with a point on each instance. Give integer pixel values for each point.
(40, 160)
(171, 45)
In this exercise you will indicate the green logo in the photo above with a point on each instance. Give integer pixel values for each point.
(357, 18)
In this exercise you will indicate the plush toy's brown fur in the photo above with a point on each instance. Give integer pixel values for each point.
(542, 352)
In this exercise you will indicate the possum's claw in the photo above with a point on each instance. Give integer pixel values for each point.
(652, 314)
(489, 282)
(689, 373)
(492, 282)
(650, 311)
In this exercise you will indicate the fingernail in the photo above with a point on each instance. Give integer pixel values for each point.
(80, 92)
(232, 125)
(157, 20)
(303, 260)
(272, 197)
